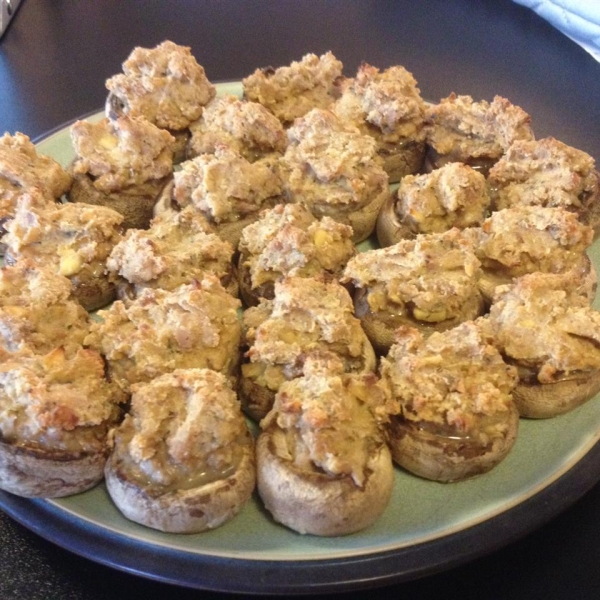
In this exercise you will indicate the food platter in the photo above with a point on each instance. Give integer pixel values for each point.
(427, 527)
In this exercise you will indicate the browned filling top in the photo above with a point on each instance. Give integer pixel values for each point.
(247, 128)
(431, 277)
(225, 186)
(544, 172)
(194, 326)
(454, 195)
(22, 168)
(164, 84)
(175, 250)
(119, 154)
(453, 383)
(73, 238)
(185, 429)
(58, 404)
(543, 324)
(464, 128)
(525, 239)
(288, 241)
(37, 311)
(291, 91)
(306, 315)
(330, 166)
(386, 104)
(328, 421)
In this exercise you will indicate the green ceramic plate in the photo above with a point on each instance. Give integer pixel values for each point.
(416, 534)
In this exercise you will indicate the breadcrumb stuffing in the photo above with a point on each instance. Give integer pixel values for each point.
(331, 419)
(385, 104)
(245, 127)
(183, 427)
(224, 186)
(291, 91)
(544, 325)
(460, 127)
(455, 195)
(165, 85)
(306, 315)
(175, 250)
(331, 166)
(118, 154)
(57, 402)
(455, 380)
(194, 326)
(22, 168)
(37, 311)
(11, 197)
(288, 241)
(73, 238)
(432, 276)
(545, 172)
(524, 239)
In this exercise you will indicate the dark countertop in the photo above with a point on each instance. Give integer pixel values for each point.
(53, 63)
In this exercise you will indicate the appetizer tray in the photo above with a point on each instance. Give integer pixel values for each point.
(427, 526)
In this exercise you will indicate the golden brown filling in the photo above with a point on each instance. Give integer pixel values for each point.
(247, 128)
(431, 278)
(194, 326)
(452, 196)
(453, 384)
(22, 168)
(525, 239)
(43, 328)
(306, 315)
(75, 238)
(41, 406)
(175, 250)
(11, 197)
(185, 429)
(465, 129)
(327, 421)
(330, 166)
(291, 91)
(542, 323)
(37, 311)
(288, 241)
(123, 153)
(164, 84)
(225, 186)
(272, 376)
(385, 105)
(545, 172)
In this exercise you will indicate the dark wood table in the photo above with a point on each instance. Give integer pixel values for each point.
(54, 60)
